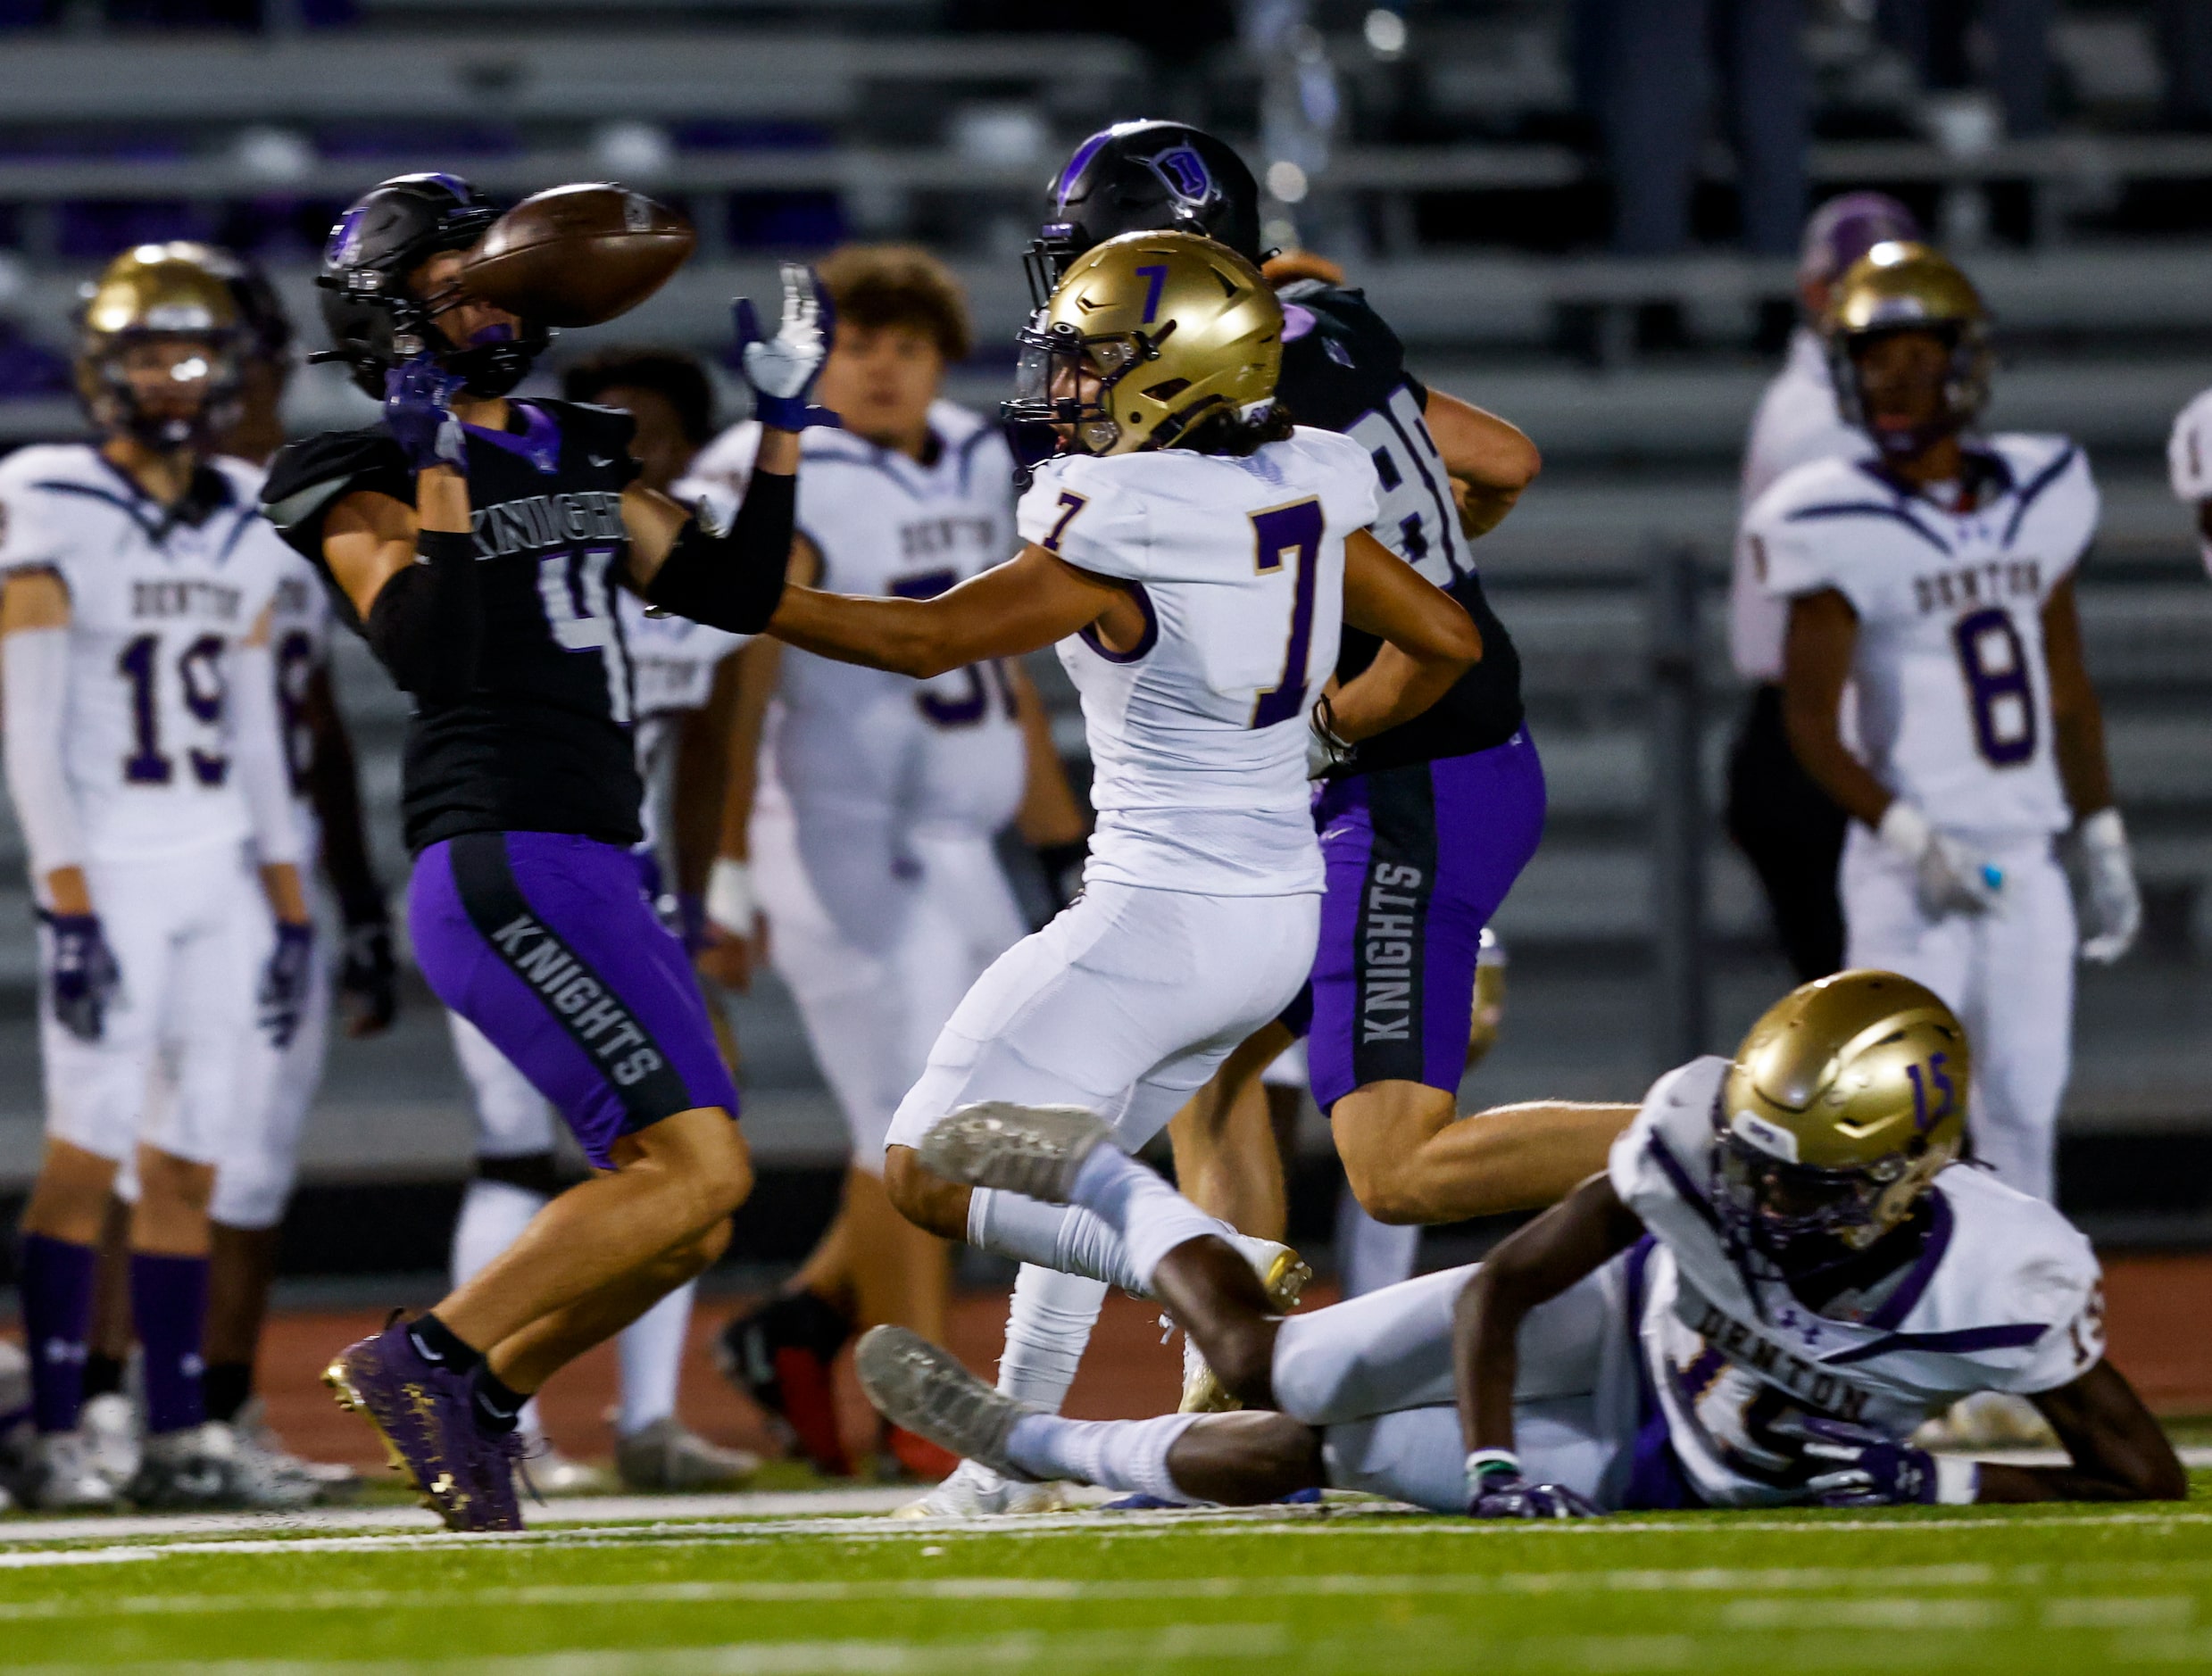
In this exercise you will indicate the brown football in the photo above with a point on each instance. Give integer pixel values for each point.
(579, 255)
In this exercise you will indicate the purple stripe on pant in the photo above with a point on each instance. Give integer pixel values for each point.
(546, 943)
(1418, 859)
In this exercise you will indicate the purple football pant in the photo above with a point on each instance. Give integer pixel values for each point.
(545, 942)
(1419, 858)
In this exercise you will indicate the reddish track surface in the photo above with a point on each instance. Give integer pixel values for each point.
(2161, 1321)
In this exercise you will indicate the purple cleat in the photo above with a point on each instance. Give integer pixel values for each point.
(421, 1412)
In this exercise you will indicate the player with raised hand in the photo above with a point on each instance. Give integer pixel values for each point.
(476, 543)
(1782, 1270)
(146, 763)
(1193, 556)
(874, 850)
(700, 694)
(1936, 579)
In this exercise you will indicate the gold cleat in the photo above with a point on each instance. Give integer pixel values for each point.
(1283, 1276)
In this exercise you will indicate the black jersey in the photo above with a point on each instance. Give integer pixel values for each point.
(543, 744)
(1344, 369)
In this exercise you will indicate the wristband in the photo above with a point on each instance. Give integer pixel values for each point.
(1905, 829)
(2104, 830)
(730, 902)
(445, 546)
(1483, 1464)
(1958, 1481)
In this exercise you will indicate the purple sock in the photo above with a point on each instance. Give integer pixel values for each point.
(57, 1311)
(169, 1301)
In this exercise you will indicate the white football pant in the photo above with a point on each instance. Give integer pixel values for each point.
(2009, 974)
(185, 929)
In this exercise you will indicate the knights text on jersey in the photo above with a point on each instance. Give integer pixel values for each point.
(1198, 733)
(542, 744)
(1952, 681)
(158, 599)
(1344, 369)
(2003, 1295)
(848, 738)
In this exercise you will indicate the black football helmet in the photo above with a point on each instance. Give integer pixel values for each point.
(1144, 177)
(375, 322)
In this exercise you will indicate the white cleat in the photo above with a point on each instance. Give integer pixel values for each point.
(666, 1455)
(1283, 1276)
(109, 1424)
(553, 1474)
(264, 1479)
(1988, 1420)
(333, 1480)
(976, 1492)
(1035, 1151)
(60, 1476)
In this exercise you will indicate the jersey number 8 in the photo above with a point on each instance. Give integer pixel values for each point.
(1994, 663)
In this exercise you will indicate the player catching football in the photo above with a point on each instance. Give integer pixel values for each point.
(1783, 1269)
(476, 543)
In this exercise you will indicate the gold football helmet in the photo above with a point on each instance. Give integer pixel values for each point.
(1845, 1101)
(1900, 285)
(1148, 335)
(148, 296)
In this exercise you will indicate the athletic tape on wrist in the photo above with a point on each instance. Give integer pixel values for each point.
(730, 902)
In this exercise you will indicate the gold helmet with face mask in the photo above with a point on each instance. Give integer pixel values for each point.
(1902, 286)
(1846, 1099)
(147, 295)
(1147, 338)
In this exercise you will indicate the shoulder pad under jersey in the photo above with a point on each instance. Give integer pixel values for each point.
(1340, 359)
(309, 476)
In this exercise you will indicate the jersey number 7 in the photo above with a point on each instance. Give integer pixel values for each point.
(1292, 531)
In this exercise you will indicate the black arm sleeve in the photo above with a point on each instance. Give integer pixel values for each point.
(427, 624)
(732, 581)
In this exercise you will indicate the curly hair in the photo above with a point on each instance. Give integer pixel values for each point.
(899, 285)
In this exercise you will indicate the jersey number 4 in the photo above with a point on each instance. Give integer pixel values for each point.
(199, 669)
(1289, 534)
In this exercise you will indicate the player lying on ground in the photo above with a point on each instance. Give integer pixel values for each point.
(1782, 1273)
(144, 759)
(477, 543)
(1193, 555)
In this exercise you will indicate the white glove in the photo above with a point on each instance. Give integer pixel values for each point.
(783, 367)
(730, 903)
(1324, 749)
(2116, 906)
(1951, 878)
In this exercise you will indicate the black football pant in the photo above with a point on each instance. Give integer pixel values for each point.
(1792, 835)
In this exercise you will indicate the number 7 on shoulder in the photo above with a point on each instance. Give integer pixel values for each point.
(1070, 503)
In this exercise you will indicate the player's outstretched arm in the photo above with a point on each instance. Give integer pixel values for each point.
(1030, 602)
(1490, 461)
(1575, 1238)
(2119, 1452)
(1428, 642)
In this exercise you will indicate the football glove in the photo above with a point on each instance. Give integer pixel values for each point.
(283, 996)
(782, 370)
(83, 975)
(368, 977)
(417, 414)
(1495, 1489)
(1950, 876)
(1867, 1468)
(1324, 750)
(2116, 906)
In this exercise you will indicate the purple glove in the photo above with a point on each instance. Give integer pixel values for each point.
(83, 977)
(418, 415)
(1495, 1489)
(782, 370)
(1867, 1469)
(284, 981)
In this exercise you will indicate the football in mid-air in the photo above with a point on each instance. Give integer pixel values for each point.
(579, 255)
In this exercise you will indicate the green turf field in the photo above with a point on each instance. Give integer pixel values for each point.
(1336, 1590)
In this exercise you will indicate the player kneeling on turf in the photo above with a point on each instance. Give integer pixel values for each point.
(1783, 1270)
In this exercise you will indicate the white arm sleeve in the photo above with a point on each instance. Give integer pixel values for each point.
(35, 686)
(257, 755)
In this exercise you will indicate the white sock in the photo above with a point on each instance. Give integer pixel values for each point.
(493, 1216)
(1151, 1216)
(652, 1353)
(1125, 1455)
(1371, 1255)
(1046, 1330)
(1051, 1236)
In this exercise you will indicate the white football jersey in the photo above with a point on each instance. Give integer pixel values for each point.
(947, 750)
(2189, 459)
(1952, 685)
(156, 606)
(673, 663)
(1797, 423)
(299, 641)
(1198, 734)
(2004, 1297)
